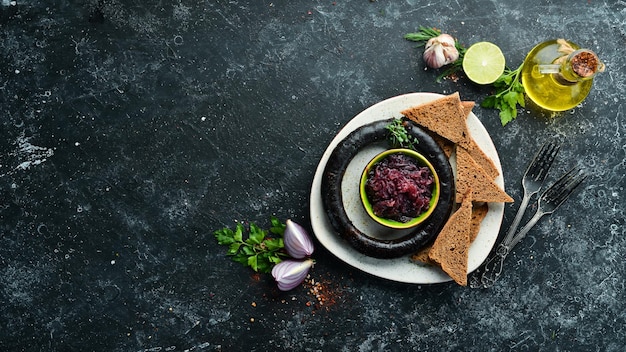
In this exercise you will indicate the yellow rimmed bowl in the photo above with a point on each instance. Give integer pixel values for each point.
(413, 221)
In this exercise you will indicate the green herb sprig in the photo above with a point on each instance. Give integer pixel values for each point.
(258, 250)
(399, 137)
(509, 93)
(424, 35)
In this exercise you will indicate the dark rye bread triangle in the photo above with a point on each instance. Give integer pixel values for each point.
(471, 176)
(481, 158)
(479, 212)
(472, 147)
(467, 107)
(422, 255)
(446, 145)
(444, 116)
(451, 248)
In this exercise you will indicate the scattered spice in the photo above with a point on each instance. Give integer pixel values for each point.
(325, 294)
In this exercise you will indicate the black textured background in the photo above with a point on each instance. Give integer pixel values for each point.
(131, 130)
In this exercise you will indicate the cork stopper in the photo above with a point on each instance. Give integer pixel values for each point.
(585, 63)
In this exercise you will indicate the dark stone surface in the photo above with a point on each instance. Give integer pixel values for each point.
(130, 131)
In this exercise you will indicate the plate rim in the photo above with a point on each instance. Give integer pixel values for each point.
(401, 269)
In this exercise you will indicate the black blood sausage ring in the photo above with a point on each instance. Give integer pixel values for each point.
(333, 200)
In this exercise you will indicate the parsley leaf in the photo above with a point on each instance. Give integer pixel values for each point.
(258, 251)
(509, 94)
(277, 228)
(238, 235)
(225, 236)
(256, 235)
(274, 244)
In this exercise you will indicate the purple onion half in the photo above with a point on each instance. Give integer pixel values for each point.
(291, 273)
(297, 242)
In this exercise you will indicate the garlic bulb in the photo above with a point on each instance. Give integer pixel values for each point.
(290, 273)
(297, 241)
(440, 51)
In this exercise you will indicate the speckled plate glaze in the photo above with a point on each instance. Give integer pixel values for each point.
(397, 269)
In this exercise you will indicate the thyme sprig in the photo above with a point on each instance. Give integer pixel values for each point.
(423, 35)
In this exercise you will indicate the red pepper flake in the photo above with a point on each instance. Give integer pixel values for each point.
(454, 77)
(325, 294)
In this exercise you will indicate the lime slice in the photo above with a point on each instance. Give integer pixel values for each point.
(483, 62)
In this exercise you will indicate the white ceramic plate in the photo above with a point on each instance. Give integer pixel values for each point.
(398, 269)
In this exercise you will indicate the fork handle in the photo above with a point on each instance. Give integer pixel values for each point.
(492, 268)
(490, 271)
(518, 218)
(522, 233)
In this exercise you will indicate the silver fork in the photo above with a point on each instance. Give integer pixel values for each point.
(547, 203)
(532, 181)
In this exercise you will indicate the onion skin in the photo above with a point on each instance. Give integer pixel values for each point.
(332, 199)
(297, 242)
(291, 273)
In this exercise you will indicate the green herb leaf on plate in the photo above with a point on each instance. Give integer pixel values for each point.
(399, 137)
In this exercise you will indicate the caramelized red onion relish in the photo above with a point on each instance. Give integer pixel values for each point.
(399, 188)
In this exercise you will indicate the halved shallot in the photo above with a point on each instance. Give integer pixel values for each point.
(291, 273)
(297, 242)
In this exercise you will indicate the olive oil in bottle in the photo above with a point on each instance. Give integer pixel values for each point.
(557, 75)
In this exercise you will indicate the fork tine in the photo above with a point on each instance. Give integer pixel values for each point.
(538, 168)
(561, 190)
(532, 181)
